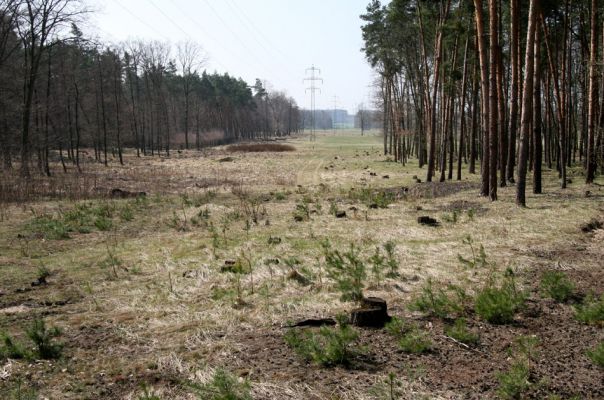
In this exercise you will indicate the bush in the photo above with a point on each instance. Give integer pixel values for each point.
(347, 270)
(591, 311)
(391, 259)
(103, 223)
(328, 346)
(479, 256)
(43, 339)
(460, 332)
(9, 348)
(223, 386)
(126, 213)
(372, 198)
(597, 355)
(499, 304)
(302, 212)
(43, 274)
(411, 338)
(50, 227)
(378, 265)
(438, 301)
(514, 382)
(556, 285)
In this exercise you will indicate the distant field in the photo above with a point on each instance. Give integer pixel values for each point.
(198, 275)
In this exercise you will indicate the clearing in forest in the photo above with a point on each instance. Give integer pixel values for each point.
(193, 288)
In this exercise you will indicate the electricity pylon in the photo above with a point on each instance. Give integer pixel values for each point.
(313, 79)
(335, 110)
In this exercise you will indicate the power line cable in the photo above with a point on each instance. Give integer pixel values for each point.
(232, 32)
(248, 24)
(181, 29)
(140, 19)
(261, 34)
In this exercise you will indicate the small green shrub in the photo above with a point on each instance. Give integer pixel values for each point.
(460, 332)
(437, 301)
(514, 382)
(378, 265)
(498, 304)
(80, 219)
(9, 348)
(591, 311)
(43, 339)
(328, 346)
(103, 223)
(411, 338)
(556, 285)
(479, 256)
(49, 227)
(126, 213)
(347, 270)
(302, 212)
(372, 197)
(597, 355)
(223, 386)
(43, 274)
(280, 196)
(391, 260)
(415, 341)
(21, 392)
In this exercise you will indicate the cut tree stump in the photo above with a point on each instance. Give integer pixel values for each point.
(425, 220)
(373, 313)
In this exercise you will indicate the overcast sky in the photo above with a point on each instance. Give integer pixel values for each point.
(276, 40)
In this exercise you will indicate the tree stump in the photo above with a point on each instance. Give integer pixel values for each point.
(429, 221)
(340, 214)
(373, 313)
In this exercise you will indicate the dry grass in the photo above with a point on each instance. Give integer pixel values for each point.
(172, 315)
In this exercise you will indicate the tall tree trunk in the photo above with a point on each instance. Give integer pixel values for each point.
(527, 104)
(493, 100)
(516, 69)
(593, 96)
(484, 79)
(462, 129)
(537, 140)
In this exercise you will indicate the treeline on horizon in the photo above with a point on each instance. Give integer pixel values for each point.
(509, 86)
(61, 92)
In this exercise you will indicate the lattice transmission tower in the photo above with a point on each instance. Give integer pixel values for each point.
(313, 80)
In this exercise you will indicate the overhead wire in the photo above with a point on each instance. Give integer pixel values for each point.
(261, 34)
(246, 24)
(241, 42)
(167, 17)
(140, 19)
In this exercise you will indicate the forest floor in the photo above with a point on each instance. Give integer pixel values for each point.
(142, 294)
